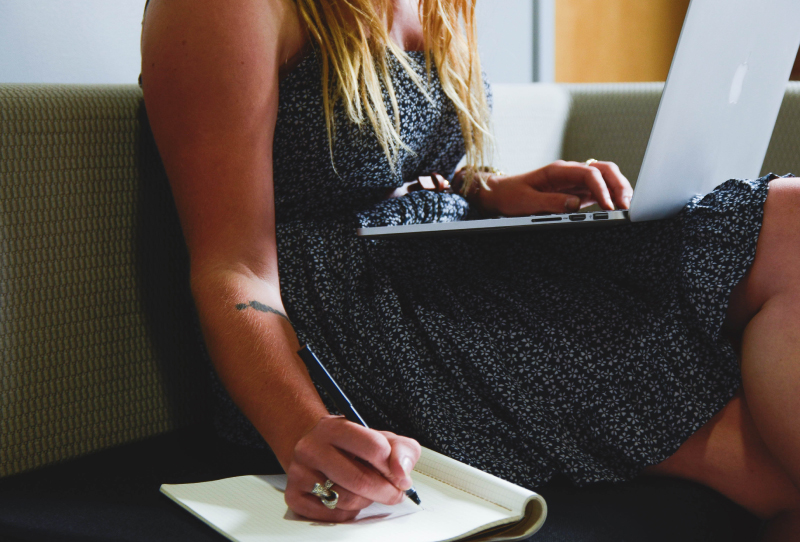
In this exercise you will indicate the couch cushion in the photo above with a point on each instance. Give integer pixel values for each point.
(113, 495)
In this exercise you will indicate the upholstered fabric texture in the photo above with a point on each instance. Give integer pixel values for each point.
(96, 341)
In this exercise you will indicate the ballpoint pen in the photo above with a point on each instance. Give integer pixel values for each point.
(324, 379)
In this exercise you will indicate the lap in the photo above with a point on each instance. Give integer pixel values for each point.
(601, 349)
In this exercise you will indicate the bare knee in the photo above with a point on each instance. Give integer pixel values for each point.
(776, 268)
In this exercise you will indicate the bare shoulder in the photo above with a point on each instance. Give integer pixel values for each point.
(210, 75)
(216, 29)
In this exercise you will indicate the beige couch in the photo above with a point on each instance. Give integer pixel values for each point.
(97, 345)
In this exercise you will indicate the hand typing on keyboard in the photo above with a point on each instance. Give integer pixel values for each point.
(561, 187)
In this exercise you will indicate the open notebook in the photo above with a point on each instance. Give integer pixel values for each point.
(459, 502)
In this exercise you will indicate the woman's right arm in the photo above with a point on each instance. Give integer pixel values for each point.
(210, 73)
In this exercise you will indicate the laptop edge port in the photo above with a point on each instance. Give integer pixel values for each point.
(600, 216)
(577, 218)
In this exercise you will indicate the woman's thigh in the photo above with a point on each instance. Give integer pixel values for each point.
(728, 455)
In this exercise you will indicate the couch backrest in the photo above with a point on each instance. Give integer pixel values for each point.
(97, 345)
(608, 122)
(529, 124)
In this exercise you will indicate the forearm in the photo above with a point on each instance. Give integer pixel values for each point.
(253, 347)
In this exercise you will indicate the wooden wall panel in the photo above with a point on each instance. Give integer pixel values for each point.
(616, 40)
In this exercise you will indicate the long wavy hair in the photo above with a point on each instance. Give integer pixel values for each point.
(352, 37)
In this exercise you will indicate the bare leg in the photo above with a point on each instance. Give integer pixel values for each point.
(728, 455)
(751, 450)
(771, 343)
(768, 300)
(771, 376)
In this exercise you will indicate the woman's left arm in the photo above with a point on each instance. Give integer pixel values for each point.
(561, 187)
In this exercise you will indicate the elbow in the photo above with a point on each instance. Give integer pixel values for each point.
(230, 284)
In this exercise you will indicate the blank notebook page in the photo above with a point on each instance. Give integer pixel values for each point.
(252, 508)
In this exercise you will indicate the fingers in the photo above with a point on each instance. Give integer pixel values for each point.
(362, 479)
(601, 182)
(405, 454)
(368, 445)
(354, 457)
(561, 187)
(551, 203)
(531, 193)
(365, 465)
(311, 507)
(301, 500)
(562, 176)
(618, 184)
(375, 448)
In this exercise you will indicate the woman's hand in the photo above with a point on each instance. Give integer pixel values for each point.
(561, 187)
(365, 465)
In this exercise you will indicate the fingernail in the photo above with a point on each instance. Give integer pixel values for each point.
(573, 203)
(627, 203)
(406, 464)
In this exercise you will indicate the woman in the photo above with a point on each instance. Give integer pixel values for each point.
(284, 125)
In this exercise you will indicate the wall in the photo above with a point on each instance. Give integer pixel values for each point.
(616, 40)
(97, 41)
(505, 39)
(70, 41)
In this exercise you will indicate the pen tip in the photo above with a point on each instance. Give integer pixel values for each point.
(413, 496)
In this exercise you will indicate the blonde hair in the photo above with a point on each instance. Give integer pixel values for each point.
(352, 37)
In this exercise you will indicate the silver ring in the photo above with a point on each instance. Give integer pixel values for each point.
(328, 497)
(321, 490)
(331, 500)
(591, 161)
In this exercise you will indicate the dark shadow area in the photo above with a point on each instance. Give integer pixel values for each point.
(647, 509)
(114, 495)
(162, 264)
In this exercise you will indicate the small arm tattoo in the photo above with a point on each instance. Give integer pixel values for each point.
(261, 308)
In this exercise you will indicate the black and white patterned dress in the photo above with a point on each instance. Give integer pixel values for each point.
(592, 354)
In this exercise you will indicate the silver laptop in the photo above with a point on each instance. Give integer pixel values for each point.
(714, 122)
